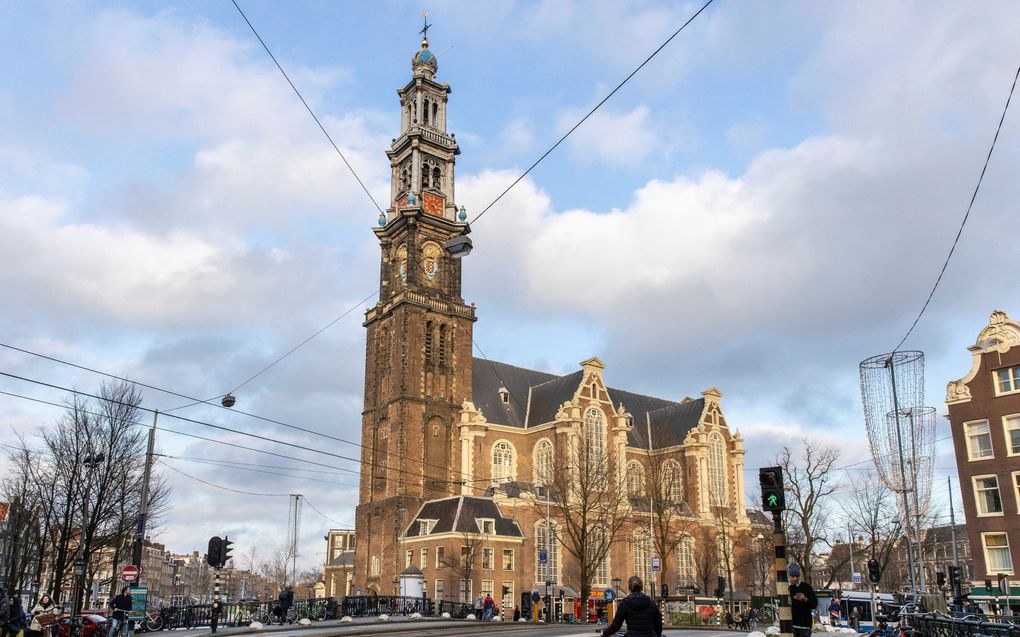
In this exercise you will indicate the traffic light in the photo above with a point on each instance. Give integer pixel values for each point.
(874, 574)
(720, 586)
(506, 590)
(665, 590)
(214, 555)
(1003, 585)
(955, 579)
(940, 578)
(225, 551)
(988, 587)
(773, 499)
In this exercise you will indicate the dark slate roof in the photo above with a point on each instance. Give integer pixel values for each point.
(535, 397)
(546, 398)
(488, 376)
(458, 514)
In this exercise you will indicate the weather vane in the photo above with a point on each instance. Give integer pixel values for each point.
(425, 30)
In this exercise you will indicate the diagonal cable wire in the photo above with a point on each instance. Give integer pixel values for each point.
(592, 111)
(219, 486)
(307, 107)
(959, 232)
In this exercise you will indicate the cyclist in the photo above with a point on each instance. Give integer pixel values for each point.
(121, 606)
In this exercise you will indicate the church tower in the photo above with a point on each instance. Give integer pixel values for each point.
(418, 346)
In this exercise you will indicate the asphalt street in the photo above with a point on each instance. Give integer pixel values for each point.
(432, 628)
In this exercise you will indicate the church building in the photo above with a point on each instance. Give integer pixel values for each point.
(472, 470)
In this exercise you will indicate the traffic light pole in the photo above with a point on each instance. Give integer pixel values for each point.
(216, 600)
(782, 583)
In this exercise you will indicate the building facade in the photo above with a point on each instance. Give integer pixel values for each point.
(984, 413)
(466, 462)
(338, 571)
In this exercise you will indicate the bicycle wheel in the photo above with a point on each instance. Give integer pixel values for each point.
(153, 623)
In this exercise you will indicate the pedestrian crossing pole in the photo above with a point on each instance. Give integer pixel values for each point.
(782, 583)
(216, 599)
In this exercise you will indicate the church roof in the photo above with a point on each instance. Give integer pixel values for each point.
(458, 514)
(535, 397)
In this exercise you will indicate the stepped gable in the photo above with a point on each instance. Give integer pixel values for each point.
(457, 514)
(535, 397)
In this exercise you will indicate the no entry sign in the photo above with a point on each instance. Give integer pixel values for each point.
(130, 573)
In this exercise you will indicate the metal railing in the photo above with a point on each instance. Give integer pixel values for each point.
(365, 605)
(457, 610)
(940, 625)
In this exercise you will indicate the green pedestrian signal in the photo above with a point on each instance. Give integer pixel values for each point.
(773, 499)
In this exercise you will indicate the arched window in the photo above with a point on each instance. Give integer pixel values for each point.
(597, 541)
(717, 469)
(543, 462)
(429, 349)
(375, 565)
(425, 112)
(435, 114)
(635, 480)
(641, 543)
(442, 345)
(594, 434)
(504, 468)
(437, 181)
(685, 570)
(424, 175)
(546, 542)
(673, 481)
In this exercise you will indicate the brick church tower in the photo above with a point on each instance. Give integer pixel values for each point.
(418, 349)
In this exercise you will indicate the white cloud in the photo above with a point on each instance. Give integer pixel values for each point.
(614, 138)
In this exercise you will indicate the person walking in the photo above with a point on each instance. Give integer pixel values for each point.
(44, 615)
(15, 620)
(803, 602)
(121, 606)
(488, 607)
(643, 617)
(478, 607)
(834, 612)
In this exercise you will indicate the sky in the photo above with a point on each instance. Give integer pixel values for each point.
(767, 203)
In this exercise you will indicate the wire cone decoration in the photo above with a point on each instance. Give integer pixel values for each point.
(893, 384)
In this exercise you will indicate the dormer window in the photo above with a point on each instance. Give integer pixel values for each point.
(486, 526)
(504, 395)
(425, 526)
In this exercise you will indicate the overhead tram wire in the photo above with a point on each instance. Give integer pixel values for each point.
(228, 409)
(592, 111)
(219, 427)
(308, 108)
(226, 465)
(966, 215)
(227, 429)
(478, 216)
(220, 486)
(345, 525)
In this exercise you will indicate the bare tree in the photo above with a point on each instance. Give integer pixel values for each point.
(672, 519)
(463, 562)
(706, 559)
(756, 562)
(809, 482)
(588, 496)
(82, 489)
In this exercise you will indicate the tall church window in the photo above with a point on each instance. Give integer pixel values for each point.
(717, 469)
(594, 434)
(429, 330)
(543, 462)
(443, 345)
(598, 537)
(641, 543)
(375, 566)
(546, 543)
(685, 570)
(425, 112)
(435, 114)
(674, 481)
(635, 480)
(503, 465)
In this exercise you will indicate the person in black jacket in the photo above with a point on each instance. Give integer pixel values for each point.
(802, 602)
(639, 611)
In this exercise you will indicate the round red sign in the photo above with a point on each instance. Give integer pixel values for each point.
(130, 573)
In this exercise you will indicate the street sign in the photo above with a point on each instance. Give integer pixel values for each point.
(656, 564)
(130, 573)
(609, 595)
(858, 579)
(543, 556)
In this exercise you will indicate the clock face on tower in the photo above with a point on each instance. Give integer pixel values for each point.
(432, 204)
(430, 258)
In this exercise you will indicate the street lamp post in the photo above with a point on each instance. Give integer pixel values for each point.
(35, 592)
(90, 461)
(616, 599)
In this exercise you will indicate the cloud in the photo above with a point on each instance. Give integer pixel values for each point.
(614, 138)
